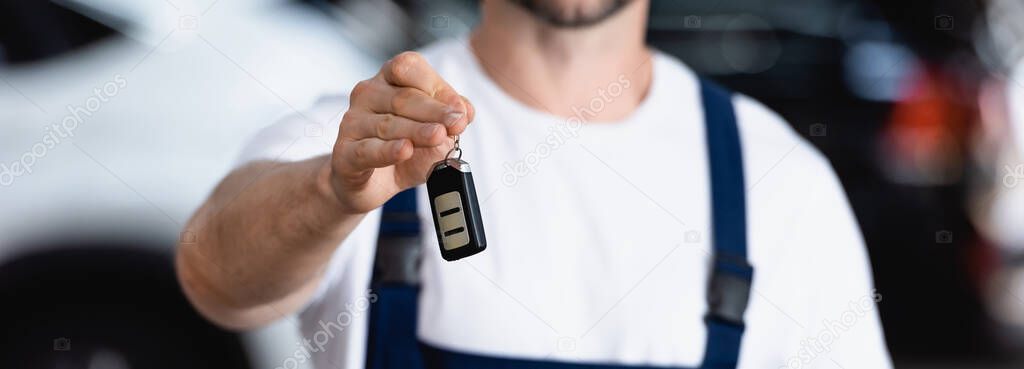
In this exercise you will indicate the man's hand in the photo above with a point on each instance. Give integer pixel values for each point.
(398, 124)
(266, 233)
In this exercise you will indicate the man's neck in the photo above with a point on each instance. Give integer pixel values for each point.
(562, 71)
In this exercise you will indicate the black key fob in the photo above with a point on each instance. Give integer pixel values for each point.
(453, 202)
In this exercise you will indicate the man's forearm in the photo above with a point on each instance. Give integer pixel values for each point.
(261, 241)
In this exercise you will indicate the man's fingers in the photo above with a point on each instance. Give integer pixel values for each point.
(410, 69)
(470, 110)
(460, 111)
(416, 105)
(413, 104)
(408, 87)
(394, 127)
(369, 153)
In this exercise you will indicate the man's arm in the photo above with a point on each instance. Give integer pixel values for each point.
(267, 232)
(262, 241)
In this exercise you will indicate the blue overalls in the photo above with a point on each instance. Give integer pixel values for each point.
(392, 342)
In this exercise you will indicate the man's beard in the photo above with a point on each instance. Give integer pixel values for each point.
(576, 18)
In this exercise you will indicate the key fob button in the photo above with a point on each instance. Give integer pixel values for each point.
(451, 220)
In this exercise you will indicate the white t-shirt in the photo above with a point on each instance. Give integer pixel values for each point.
(598, 237)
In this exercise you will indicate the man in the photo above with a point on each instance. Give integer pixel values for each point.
(591, 155)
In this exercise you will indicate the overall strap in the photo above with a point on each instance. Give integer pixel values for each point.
(399, 217)
(391, 342)
(731, 274)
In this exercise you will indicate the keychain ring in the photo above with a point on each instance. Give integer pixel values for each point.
(455, 149)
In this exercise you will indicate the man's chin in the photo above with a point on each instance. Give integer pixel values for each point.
(549, 12)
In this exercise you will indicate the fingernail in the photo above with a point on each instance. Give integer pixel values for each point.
(427, 131)
(452, 117)
(398, 145)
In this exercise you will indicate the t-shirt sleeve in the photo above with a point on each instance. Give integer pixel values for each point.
(842, 328)
(297, 136)
(304, 135)
(814, 292)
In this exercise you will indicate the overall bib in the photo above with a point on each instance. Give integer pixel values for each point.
(392, 342)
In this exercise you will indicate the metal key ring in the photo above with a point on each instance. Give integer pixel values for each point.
(454, 149)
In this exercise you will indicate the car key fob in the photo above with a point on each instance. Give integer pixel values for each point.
(453, 203)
